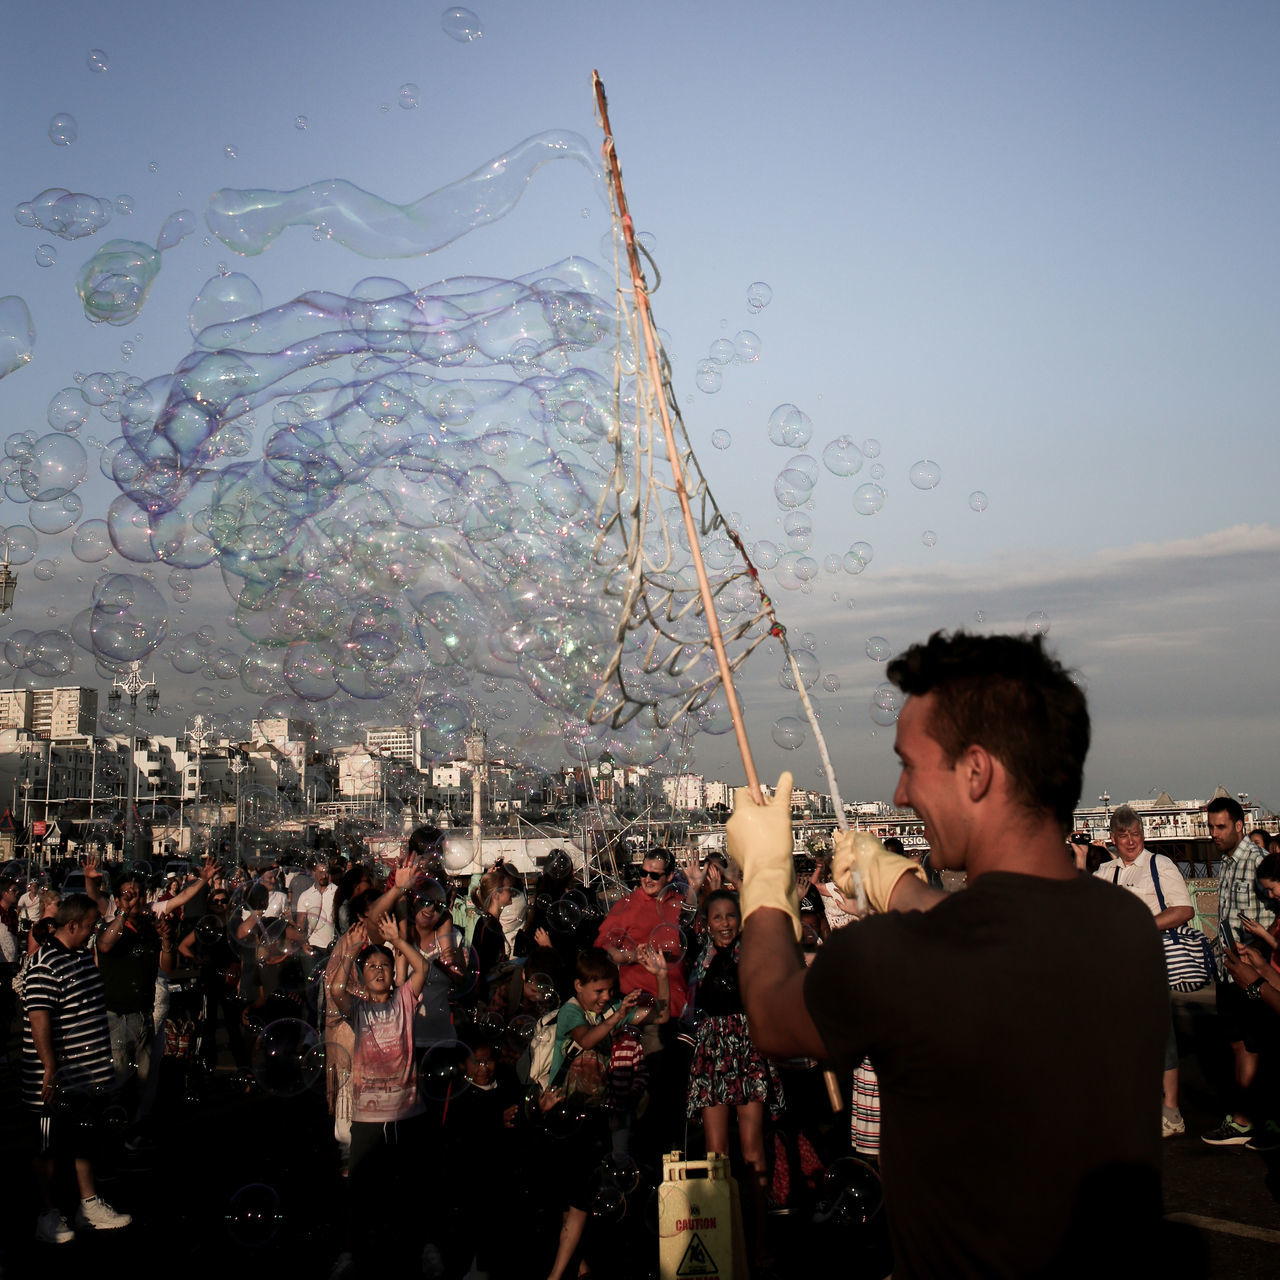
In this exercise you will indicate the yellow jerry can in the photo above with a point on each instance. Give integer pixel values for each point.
(700, 1221)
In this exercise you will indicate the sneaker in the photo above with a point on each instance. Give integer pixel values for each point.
(1172, 1125)
(98, 1215)
(1265, 1139)
(52, 1228)
(1228, 1134)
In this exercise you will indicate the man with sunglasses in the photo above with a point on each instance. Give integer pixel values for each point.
(650, 915)
(631, 923)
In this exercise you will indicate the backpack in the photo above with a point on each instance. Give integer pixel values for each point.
(534, 1064)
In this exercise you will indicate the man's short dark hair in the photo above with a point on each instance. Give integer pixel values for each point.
(893, 844)
(1225, 804)
(667, 858)
(73, 908)
(1009, 696)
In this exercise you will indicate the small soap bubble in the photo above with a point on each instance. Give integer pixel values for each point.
(409, 96)
(877, 470)
(97, 61)
(925, 474)
(17, 335)
(721, 351)
(63, 130)
(301, 123)
(153, 166)
(886, 703)
(831, 682)
(979, 615)
(759, 295)
(806, 663)
(229, 151)
(789, 733)
(708, 376)
(978, 501)
(46, 255)
(790, 427)
(45, 570)
(669, 940)
(879, 649)
(929, 537)
(765, 554)
(721, 439)
(253, 1216)
(461, 25)
(842, 457)
(1038, 623)
(871, 447)
(868, 499)
(124, 204)
(864, 552)
(746, 346)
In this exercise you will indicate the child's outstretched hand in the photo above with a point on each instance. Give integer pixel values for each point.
(652, 958)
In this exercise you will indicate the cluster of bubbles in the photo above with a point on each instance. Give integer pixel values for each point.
(400, 487)
(743, 348)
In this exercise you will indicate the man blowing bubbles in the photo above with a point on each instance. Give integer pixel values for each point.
(1017, 1027)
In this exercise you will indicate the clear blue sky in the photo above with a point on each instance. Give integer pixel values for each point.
(1034, 243)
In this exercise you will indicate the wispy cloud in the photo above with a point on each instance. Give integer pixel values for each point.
(1175, 641)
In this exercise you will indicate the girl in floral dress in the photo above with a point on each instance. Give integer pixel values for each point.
(727, 1069)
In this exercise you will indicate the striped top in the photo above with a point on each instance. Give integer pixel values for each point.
(68, 985)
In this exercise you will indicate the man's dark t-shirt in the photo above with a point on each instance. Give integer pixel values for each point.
(1017, 1030)
(129, 969)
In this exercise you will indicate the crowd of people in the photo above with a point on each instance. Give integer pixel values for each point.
(582, 1030)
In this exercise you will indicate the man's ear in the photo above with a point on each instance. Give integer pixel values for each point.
(979, 771)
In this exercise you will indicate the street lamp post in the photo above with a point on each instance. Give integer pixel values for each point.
(237, 767)
(196, 735)
(133, 684)
(8, 582)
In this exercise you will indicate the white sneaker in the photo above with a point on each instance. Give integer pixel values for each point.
(1172, 1125)
(51, 1228)
(98, 1215)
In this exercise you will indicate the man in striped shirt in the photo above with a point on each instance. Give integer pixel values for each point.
(66, 1065)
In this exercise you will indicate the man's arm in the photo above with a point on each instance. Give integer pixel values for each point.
(179, 900)
(913, 894)
(771, 978)
(42, 1038)
(93, 884)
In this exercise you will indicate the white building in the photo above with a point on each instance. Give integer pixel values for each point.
(688, 791)
(400, 743)
(64, 715)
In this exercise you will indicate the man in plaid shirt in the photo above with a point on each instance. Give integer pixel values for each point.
(1245, 1020)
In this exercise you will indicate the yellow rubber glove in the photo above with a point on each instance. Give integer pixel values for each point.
(880, 870)
(758, 838)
